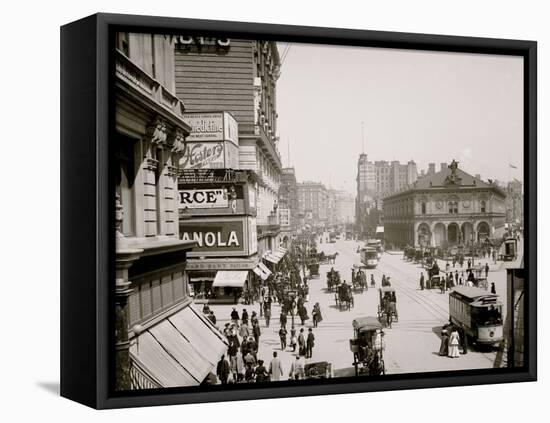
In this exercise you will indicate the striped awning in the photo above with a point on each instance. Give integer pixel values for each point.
(264, 268)
(181, 350)
(272, 258)
(230, 278)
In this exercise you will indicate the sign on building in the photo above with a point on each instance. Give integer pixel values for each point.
(213, 142)
(221, 236)
(203, 198)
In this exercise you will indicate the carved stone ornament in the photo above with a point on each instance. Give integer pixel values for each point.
(177, 141)
(156, 132)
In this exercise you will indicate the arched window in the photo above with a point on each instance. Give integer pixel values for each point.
(483, 206)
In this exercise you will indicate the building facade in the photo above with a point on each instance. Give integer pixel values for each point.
(445, 208)
(152, 295)
(288, 204)
(376, 180)
(313, 202)
(240, 77)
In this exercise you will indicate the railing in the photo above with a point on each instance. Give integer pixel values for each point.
(141, 81)
(140, 377)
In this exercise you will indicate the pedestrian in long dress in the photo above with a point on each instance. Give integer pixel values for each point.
(267, 315)
(422, 281)
(454, 342)
(444, 347)
(463, 339)
(282, 337)
(493, 288)
(301, 343)
(293, 339)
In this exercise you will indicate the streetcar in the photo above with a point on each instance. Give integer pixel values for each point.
(369, 257)
(479, 312)
(377, 245)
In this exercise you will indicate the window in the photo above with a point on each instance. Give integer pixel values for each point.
(122, 43)
(125, 184)
(423, 206)
(453, 207)
(483, 206)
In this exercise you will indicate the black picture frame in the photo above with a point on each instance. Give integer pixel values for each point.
(87, 204)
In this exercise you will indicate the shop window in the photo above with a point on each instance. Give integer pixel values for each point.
(125, 179)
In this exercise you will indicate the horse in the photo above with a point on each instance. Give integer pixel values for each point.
(331, 258)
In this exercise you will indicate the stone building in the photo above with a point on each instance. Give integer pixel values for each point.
(157, 328)
(288, 204)
(448, 207)
(313, 202)
(376, 180)
(240, 77)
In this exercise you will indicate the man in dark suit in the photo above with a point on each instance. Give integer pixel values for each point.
(310, 343)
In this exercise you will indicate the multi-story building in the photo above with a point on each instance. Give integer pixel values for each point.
(157, 328)
(445, 208)
(514, 202)
(345, 207)
(288, 204)
(376, 180)
(240, 77)
(313, 202)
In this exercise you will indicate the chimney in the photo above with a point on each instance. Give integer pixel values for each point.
(478, 176)
(431, 168)
(443, 166)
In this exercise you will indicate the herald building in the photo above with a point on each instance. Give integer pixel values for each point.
(445, 208)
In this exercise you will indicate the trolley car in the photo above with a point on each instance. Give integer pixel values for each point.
(369, 257)
(479, 312)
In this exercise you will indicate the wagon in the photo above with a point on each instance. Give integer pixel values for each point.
(368, 346)
(344, 297)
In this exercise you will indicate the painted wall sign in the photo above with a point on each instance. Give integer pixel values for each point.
(216, 126)
(203, 198)
(215, 236)
(198, 155)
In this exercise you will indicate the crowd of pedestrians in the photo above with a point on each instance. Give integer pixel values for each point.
(243, 333)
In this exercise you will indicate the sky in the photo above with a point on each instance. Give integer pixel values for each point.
(424, 106)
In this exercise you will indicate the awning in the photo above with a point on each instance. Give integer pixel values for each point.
(260, 273)
(230, 278)
(379, 229)
(271, 258)
(264, 268)
(181, 350)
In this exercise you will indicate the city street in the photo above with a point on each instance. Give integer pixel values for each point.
(412, 344)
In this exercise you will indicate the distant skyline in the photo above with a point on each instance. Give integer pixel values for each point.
(415, 105)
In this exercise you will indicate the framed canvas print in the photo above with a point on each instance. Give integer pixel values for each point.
(259, 211)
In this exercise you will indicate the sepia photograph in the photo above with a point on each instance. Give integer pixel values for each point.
(290, 213)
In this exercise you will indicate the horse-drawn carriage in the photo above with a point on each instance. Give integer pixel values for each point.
(387, 307)
(359, 278)
(313, 267)
(367, 346)
(333, 279)
(344, 297)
